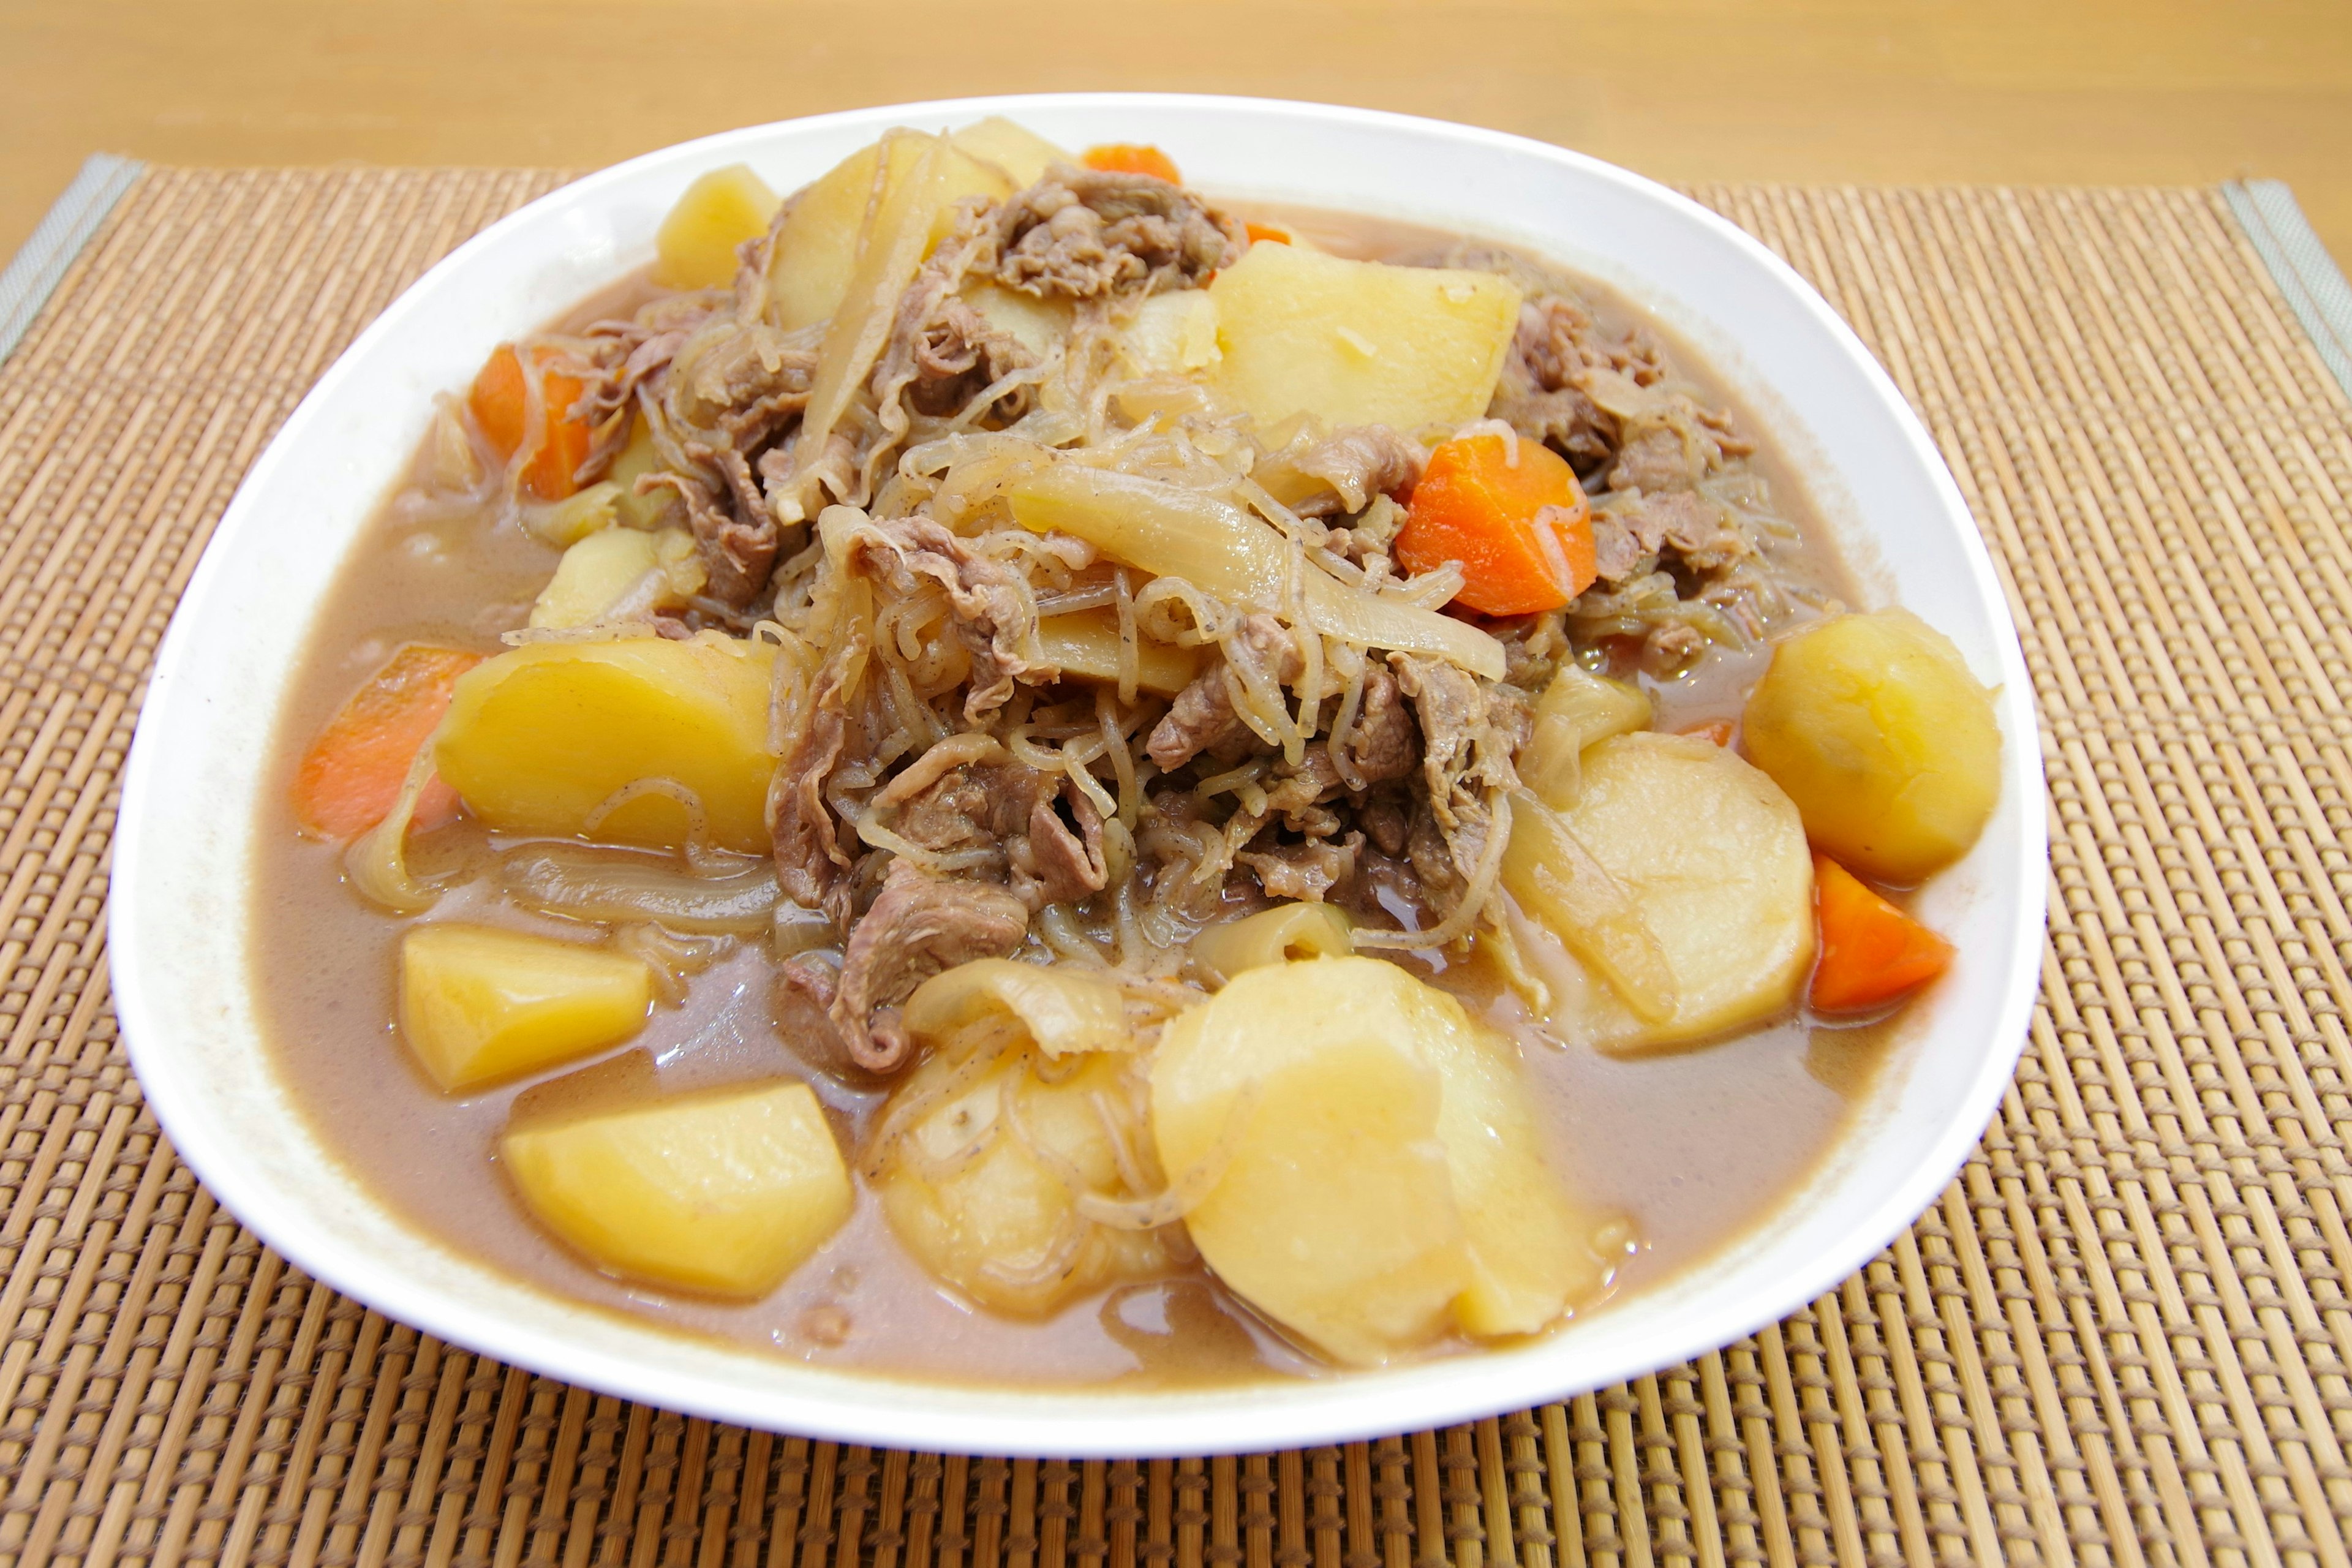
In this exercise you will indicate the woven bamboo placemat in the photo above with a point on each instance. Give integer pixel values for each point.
(2120, 1336)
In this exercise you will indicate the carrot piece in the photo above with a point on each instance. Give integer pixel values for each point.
(1522, 532)
(1871, 952)
(1129, 158)
(1258, 231)
(501, 407)
(351, 775)
(1719, 731)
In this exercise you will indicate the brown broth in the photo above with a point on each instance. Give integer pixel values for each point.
(1698, 1148)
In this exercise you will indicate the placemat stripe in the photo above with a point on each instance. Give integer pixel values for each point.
(2121, 1336)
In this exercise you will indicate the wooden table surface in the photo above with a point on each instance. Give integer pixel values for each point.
(2160, 91)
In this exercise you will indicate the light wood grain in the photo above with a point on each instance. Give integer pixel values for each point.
(2157, 91)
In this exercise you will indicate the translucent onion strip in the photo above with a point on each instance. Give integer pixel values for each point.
(603, 885)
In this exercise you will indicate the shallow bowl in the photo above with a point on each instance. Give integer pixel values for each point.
(185, 983)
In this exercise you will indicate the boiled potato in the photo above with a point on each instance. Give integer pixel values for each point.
(575, 517)
(1282, 934)
(994, 1213)
(1384, 1179)
(1172, 334)
(1086, 643)
(1532, 1248)
(1578, 708)
(1886, 742)
(1360, 342)
(540, 737)
(816, 247)
(724, 1193)
(478, 1005)
(1020, 152)
(596, 575)
(696, 245)
(1041, 326)
(1713, 859)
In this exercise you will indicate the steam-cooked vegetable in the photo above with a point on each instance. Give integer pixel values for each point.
(1169, 532)
(1040, 325)
(1086, 643)
(352, 773)
(477, 1004)
(1714, 858)
(1063, 1011)
(1384, 1184)
(1021, 153)
(724, 1193)
(1576, 710)
(1360, 342)
(1282, 934)
(1172, 334)
(1512, 513)
(739, 897)
(987, 1161)
(634, 741)
(1886, 742)
(1131, 158)
(818, 249)
(637, 459)
(593, 575)
(696, 245)
(552, 442)
(1872, 952)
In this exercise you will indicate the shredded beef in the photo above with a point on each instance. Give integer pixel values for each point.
(1470, 732)
(1384, 744)
(1305, 872)
(1083, 233)
(1626, 538)
(994, 618)
(1342, 472)
(1202, 717)
(1539, 393)
(737, 554)
(1004, 805)
(918, 926)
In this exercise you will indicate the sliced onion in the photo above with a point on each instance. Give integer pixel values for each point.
(605, 885)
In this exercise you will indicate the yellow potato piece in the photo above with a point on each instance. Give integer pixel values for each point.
(478, 1005)
(1360, 342)
(818, 246)
(1041, 326)
(540, 738)
(1085, 644)
(1020, 152)
(724, 1193)
(975, 1204)
(636, 458)
(1715, 861)
(696, 245)
(1876, 728)
(595, 574)
(1172, 334)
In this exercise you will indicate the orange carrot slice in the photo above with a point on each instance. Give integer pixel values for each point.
(1719, 731)
(1129, 158)
(1522, 530)
(501, 407)
(1872, 952)
(1258, 231)
(351, 775)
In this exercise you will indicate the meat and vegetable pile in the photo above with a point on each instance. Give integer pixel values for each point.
(1188, 717)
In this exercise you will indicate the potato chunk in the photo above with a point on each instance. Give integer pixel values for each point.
(542, 737)
(1020, 152)
(818, 247)
(724, 1193)
(595, 574)
(1360, 342)
(478, 1005)
(1883, 739)
(1713, 859)
(1382, 1181)
(1283, 934)
(696, 245)
(984, 1184)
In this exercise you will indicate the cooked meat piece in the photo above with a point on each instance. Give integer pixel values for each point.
(745, 382)
(1341, 473)
(1305, 872)
(738, 555)
(1384, 815)
(920, 925)
(1540, 394)
(1203, 714)
(941, 352)
(1019, 809)
(1670, 646)
(1655, 459)
(1624, 538)
(1083, 233)
(1470, 732)
(1384, 744)
(994, 615)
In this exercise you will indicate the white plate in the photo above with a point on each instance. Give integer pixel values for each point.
(181, 951)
